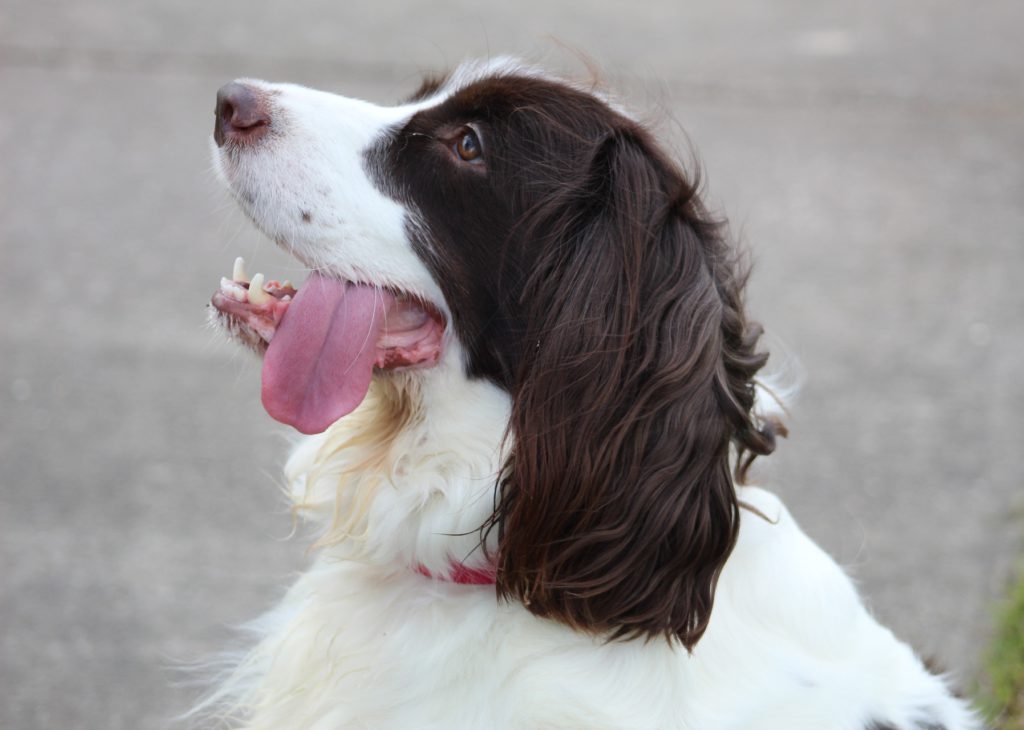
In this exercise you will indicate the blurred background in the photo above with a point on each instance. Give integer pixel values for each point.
(870, 154)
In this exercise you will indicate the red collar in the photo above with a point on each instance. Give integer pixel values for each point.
(462, 574)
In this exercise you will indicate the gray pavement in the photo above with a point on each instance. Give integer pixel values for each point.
(870, 154)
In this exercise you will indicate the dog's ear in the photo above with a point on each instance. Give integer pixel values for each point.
(617, 509)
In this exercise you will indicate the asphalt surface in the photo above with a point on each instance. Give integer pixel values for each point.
(871, 156)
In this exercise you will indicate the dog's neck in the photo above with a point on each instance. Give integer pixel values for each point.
(407, 480)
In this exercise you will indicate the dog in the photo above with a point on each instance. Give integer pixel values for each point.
(530, 394)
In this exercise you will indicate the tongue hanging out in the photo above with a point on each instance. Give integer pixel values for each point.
(323, 343)
(319, 364)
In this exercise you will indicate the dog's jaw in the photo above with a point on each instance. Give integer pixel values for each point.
(318, 362)
(302, 180)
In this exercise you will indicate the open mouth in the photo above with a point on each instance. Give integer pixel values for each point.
(322, 342)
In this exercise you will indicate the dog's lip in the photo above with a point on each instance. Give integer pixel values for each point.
(261, 304)
(322, 343)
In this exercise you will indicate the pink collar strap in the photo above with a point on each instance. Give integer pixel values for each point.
(462, 574)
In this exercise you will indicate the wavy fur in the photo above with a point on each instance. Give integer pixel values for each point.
(586, 433)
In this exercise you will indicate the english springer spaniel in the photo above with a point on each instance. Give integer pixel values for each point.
(528, 383)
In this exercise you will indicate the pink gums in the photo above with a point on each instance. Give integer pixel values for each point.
(322, 345)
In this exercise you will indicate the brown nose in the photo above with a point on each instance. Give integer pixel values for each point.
(241, 114)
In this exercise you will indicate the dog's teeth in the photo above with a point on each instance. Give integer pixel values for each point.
(238, 273)
(233, 289)
(286, 284)
(257, 295)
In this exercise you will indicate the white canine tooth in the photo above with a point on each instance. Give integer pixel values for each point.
(257, 295)
(238, 273)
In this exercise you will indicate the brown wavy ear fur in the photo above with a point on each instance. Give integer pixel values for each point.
(617, 509)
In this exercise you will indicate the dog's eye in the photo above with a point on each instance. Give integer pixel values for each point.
(468, 148)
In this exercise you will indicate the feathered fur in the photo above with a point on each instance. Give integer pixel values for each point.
(579, 434)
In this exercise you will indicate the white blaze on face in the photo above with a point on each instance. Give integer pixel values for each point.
(305, 182)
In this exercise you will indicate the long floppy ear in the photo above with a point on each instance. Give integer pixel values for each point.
(616, 509)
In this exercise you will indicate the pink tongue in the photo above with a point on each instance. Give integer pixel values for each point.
(319, 364)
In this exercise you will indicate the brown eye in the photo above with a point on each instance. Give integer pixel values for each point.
(468, 147)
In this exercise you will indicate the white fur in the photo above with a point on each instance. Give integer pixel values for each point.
(362, 640)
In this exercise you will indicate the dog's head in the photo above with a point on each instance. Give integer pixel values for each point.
(525, 230)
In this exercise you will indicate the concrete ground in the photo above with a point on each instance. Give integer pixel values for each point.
(871, 154)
